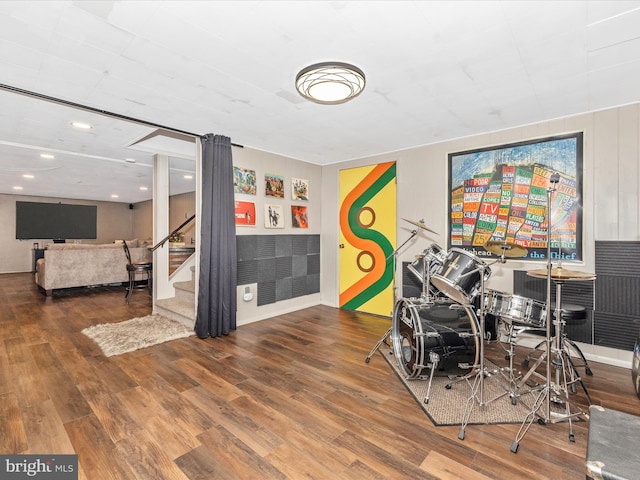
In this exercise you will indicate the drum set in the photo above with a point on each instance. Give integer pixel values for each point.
(449, 323)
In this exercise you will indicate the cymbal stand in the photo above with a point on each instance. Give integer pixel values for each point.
(388, 332)
(554, 346)
(477, 387)
(426, 281)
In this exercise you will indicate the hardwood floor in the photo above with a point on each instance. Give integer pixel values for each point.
(287, 397)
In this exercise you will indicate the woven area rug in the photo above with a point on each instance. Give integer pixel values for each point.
(446, 406)
(118, 338)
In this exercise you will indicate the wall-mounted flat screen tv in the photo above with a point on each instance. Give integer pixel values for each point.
(57, 221)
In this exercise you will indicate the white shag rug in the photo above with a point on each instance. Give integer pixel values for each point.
(134, 334)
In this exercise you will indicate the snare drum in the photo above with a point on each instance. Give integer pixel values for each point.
(433, 257)
(515, 308)
(460, 275)
(420, 328)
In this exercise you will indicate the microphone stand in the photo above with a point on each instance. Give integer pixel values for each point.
(545, 415)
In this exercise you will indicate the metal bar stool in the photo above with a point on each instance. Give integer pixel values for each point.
(134, 268)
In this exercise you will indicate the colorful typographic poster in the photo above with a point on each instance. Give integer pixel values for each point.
(244, 181)
(273, 185)
(245, 213)
(273, 217)
(503, 194)
(299, 218)
(299, 189)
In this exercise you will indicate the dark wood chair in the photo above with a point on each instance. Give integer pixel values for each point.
(133, 268)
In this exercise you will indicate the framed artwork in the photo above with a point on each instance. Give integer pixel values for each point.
(299, 218)
(245, 213)
(244, 181)
(299, 189)
(273, 217)
(273, 185)
(505, 193)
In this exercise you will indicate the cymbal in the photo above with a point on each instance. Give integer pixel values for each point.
(421, 225)
(560, 274)
(508, 249)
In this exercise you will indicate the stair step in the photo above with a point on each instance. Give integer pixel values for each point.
(177, 309)
(185, 291)
(189, 286)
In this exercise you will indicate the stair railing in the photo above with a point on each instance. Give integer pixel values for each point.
(164, 240)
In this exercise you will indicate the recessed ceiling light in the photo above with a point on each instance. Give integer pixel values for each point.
(144, 188)
(114, 195)
(130, 160)
(48, 156)
(188, 177)
(17, 188)
(81, 125)
(27, 175)
(330, 83)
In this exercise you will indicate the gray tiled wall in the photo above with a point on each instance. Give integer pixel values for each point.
(283, 266)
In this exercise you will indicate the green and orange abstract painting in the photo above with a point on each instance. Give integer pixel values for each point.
(368, 237)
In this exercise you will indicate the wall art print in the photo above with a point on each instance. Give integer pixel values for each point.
(244, 180)
(501, 193)
(245, 213)
(273, 217)
(299, 189)
(273, 185)
(299, 217)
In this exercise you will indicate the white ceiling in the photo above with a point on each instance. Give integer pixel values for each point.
(436, 70)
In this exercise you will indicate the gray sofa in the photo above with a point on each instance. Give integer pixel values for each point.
(68, 265)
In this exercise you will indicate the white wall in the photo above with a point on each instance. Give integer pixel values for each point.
(181, 207)
(114, 221)
(264, 162)
(610, 187)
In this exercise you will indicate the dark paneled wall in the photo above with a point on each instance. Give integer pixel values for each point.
(612, 300)
(580, 293)
(283, 266)
(411, 286)
(617, 316)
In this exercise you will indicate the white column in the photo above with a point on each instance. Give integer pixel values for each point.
(161, 286)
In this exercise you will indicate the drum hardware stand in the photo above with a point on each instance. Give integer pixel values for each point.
(568, 345)
(388, 332)
(555, 392)
(515, 382)
(480, 370)
(434, 358)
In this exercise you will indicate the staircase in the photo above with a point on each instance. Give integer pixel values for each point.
(182, 307)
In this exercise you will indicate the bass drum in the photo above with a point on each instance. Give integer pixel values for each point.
(445, 328)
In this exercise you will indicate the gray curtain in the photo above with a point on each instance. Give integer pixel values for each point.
(216, 313)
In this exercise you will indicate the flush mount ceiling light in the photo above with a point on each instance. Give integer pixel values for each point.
(330, 83)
